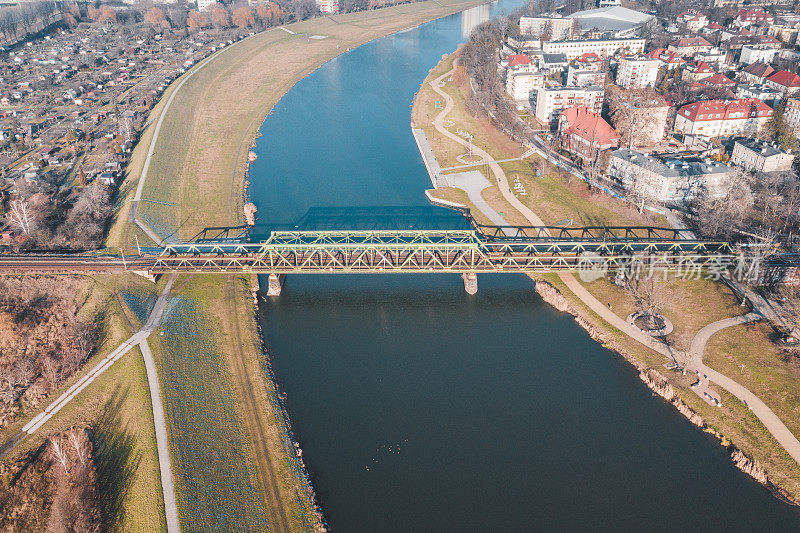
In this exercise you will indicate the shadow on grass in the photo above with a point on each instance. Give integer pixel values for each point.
(116, 459)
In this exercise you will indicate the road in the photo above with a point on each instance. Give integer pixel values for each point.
(770, 420)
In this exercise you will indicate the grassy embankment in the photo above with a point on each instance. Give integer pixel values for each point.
(216, 394)
(690, 304)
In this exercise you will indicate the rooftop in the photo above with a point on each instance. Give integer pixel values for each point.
(671, 167)
(764, 148)
(610, 18)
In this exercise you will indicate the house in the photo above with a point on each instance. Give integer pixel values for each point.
(714, 57)
(749, 17)
(668, 180)
(553, 63)
(716, 118)
(550, 101)
(602, 47)
(688, 46)
(522, 84)
(585, 133)
(693, 19)
(553, 28)
(762, 92)
(792, 114)
(696, 71)
(760, 156)
(784, 81)
(756, 73)
(637, 72)
(718, 80)
(757, 53)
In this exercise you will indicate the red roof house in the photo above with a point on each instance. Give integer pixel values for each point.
(784, 81)
(583, 132)
(517, 60)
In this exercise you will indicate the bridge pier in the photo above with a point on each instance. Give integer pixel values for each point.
(470, 282)
(275, 284)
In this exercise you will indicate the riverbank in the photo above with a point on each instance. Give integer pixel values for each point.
(689, 304)
(195, 181)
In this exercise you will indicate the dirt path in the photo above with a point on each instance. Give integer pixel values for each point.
(254, 420)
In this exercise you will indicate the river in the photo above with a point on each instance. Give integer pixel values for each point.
(420, 408)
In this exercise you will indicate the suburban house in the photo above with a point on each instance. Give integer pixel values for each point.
(668, 180)
(760, 156)
(784, 81)
(718, 80)
(716, 118)
(757, 53)
(637, 71)
(749, 17)
(766, 94)
(550, 101)
(688, 46)
(671, 60)
(553, 63)
(696, 71)
(585, 133)
(756, 72)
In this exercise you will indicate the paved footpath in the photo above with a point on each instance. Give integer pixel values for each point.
(770, 420)
(139, 338)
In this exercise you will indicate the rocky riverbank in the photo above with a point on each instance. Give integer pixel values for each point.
(661, 386)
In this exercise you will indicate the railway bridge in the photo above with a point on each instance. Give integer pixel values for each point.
(479, 249)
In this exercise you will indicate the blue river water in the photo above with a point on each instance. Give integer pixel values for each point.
(420, 408)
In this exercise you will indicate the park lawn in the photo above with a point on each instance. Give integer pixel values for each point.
(768, 373)
(689, 304)
(117, 408)
(732, 419)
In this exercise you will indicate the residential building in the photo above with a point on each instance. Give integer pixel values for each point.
(615, 21)
(328, 6)
(762, 92)
(696, 71)
(718, 80)
(717, 118)
(755, 53)
(688, 46)
(749, 17)
(784, 81)
(585, 133)
(786, 31)
(671, 60)
(602, 47)
(651, 118)
(521, 85)
(694, 20)
(550, 101)
(756, 73)
(555, 28)
(609, 3)
(203, 5)
(637, 71)
(668, 180)
(579, 77)
(714, 57)
(553, 63)
(792, 114)
(760, 156)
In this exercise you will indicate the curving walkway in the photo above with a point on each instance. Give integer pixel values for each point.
(770, 420)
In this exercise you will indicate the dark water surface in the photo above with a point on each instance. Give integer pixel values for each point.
(421, 408)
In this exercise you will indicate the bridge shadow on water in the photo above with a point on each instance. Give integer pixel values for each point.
(370, 218)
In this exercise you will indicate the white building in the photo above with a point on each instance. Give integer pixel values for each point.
(551, 100)
(328, 6)
(761, 156)
(601, 47)
(558, 28)
(716, 118)
(668, 180)
(755, 53)
(578, 76)
(638, 71)
(203, 5)
(792, 114)
(521, 85)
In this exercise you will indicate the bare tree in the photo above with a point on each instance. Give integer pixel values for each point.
(20, 218)
(59, 453)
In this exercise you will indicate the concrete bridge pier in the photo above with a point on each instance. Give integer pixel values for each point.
(470, 282)
(275, 284)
